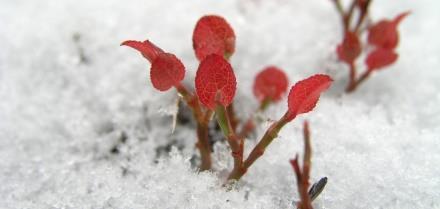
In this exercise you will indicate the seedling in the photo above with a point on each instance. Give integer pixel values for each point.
(303, 174)
(270, 86)
(215, 86)
(380, 47)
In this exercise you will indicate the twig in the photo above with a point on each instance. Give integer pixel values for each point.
(259, 149)
(202, 120)
(235, 143)
(302, 175)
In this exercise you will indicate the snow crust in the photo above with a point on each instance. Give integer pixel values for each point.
(82, 127)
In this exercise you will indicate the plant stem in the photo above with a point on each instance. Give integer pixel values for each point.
(303, 175)
(362, 16)
(361, 79)
(349, 15)
(249, 126)
(352, 76)
(231, 114)
(259, 149)
(202, 120)
(236, 144)
(339, 7)
(203, 146)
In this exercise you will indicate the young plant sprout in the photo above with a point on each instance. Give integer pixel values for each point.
(270, 85)
(215, 86)
(303, 174)
(382, 40)
(303, 97)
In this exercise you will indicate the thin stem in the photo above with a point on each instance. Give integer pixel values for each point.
(303, 175)
(361, 79)
(203, 146)
(307, 152)
(232, 116)
(191, 100)
(202, 126)
(349, 15)
(352, 76)
(339, 7)
(235, 143)
(249, 126)
(363, 16)
(259, 149)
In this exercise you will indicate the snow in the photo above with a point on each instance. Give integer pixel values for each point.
(82, 127)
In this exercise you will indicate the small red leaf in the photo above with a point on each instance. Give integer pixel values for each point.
(384, 34)
(213, 35)
(166, 71)
(380, 58)
(350, 48)
(271, 83)
(215, 80)
(146, 48)
(305, 94)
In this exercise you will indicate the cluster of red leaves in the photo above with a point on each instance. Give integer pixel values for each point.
(215, 87)
(215, 84)
(383, 38)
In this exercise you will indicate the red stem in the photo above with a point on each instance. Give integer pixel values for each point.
(362, 16)
(361, 79)
(236, 144)
(352, 76)
(259, 149)
(202, 120)
(303, 175)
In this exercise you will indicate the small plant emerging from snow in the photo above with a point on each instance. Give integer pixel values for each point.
(215, 86)
(382, 40)
(303, 174)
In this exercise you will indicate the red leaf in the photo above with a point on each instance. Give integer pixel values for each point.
(350, 48)
(215, 80)
(271, 83)
(384, 34)
(213, 35)
(146, 48)
(166, 71)
(305, 94)
(380, 58)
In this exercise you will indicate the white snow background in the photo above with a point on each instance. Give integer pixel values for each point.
(60, 116)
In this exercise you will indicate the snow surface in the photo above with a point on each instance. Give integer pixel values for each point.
(81, 125)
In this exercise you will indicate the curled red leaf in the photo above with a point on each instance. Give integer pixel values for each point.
(304, 95)
(380, 58)
(350, 48)
(271, 83)
(384, 34)
(213, 35)
(146, 48)
(215, 81)
(166, 69)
